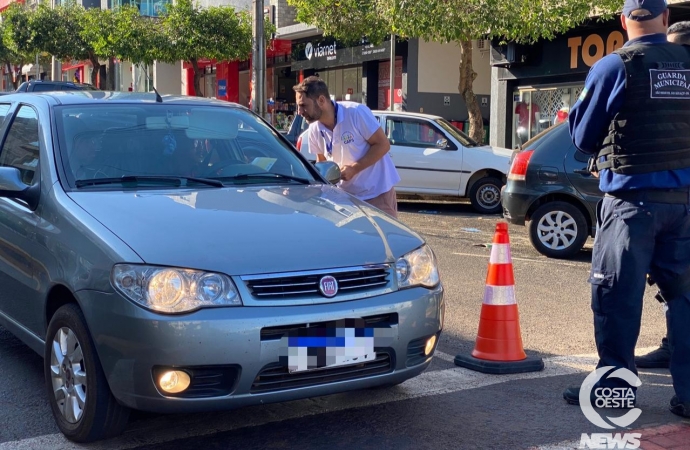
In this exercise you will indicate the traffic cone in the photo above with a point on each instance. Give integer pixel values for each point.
(498, 349)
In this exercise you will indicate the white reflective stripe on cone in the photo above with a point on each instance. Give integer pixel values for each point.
(499, 295)
(500, 254)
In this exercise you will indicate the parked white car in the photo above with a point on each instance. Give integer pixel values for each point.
(434, 158)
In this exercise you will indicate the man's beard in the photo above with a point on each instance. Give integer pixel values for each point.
(318, 112)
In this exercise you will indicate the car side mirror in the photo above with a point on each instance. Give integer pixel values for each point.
(329, 170)
(442, 143)
(12, 186)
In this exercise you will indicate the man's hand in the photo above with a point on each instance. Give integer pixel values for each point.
(348, 172)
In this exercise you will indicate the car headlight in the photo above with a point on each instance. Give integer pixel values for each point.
(417, 268)
(173, 290)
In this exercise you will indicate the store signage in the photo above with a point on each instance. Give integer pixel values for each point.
(593, 47)
(320, 51)
(571, 54)
(326, 52)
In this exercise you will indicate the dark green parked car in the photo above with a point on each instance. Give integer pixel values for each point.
(550, 190)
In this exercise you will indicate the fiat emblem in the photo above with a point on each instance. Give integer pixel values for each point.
(328, 286)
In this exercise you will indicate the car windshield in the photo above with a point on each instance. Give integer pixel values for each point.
(111, 146)
(464, 139)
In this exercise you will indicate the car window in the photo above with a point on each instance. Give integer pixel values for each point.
(170, 140)
(45, 87)
(464, 139)
(4, 109)
(20, 149)
(413, 133)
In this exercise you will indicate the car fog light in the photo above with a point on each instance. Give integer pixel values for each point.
(430, 345)
(174, 381)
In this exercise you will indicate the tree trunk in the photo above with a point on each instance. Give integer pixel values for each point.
(197, 77)
(110, 76)
(96, 67)
(467, 76)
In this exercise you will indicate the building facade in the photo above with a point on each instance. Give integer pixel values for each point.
(534, 87)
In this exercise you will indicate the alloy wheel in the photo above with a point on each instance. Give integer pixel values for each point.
(68, 374)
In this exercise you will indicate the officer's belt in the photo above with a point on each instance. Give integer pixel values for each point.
(679, 196)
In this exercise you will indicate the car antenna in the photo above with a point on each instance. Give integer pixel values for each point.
(159, 99)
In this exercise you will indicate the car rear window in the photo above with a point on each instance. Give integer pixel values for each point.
(557, 136)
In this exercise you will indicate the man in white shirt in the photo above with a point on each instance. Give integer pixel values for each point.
(348, 134)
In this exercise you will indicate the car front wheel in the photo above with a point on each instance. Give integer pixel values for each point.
(558, 230)
(80, 398)
(485, 195)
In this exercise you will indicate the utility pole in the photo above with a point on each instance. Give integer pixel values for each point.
(55, 65)
(258, 60)
(392, 74)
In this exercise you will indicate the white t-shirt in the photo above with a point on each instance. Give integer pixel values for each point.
(355, 123)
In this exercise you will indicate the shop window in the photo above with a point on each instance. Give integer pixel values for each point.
(535, 110)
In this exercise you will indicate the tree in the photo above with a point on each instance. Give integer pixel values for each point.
(17, 39)
(60, 32)
(194, 33)
(460, 21)
(9, 57)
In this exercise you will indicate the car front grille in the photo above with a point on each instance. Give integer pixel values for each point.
(276, 377)
(303, 284)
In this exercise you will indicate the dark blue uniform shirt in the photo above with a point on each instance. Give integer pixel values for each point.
(591, 116)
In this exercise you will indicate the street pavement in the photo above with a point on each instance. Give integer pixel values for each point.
(447, 407)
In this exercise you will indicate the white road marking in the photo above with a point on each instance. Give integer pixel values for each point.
(444, 356)
(167, 428)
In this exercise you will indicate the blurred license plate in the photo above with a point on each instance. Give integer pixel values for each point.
(320, 348)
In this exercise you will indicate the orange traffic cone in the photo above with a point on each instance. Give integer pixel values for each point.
(498, 348)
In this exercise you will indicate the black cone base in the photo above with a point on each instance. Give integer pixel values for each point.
(499, 367)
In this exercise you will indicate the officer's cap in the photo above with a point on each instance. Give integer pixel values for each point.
(640, 10)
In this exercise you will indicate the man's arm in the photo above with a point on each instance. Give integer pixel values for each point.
(371, 130)
(315, 143)
(601, 99)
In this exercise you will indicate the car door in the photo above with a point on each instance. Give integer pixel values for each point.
(427, 159)
(582, 180)
(20, 149)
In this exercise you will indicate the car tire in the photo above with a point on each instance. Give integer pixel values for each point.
(485, 195)
(558, 230)
(74, 373)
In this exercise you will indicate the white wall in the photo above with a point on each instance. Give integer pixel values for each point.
(166, 78)
(439, 68)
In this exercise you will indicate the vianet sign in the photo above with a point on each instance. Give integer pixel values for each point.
(592, 48)
(320, 51)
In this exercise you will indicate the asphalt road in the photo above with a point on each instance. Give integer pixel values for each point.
(445, 408)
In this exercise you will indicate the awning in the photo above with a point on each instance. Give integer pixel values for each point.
(30, 69)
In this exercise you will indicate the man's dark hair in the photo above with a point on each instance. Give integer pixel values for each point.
(313, 87)
(682, 30)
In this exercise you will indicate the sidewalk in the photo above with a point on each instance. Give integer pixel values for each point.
(666, 437)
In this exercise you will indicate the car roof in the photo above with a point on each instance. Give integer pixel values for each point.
(100, 97)
(407, 114)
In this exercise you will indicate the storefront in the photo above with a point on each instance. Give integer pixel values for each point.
(535, 86)
(359, 74)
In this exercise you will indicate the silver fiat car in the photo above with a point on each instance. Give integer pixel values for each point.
(176, 254)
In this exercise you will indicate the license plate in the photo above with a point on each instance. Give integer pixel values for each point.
(326, 347)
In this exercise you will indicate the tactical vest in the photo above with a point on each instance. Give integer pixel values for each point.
(652, 130)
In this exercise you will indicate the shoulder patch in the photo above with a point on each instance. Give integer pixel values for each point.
(583, 95)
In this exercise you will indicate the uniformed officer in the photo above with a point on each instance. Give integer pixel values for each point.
(634, 116)
(349, 134)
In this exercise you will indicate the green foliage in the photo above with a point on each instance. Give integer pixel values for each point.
(216, 32)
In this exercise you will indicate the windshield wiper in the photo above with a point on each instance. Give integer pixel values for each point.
(165, 179)
(280, 176)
